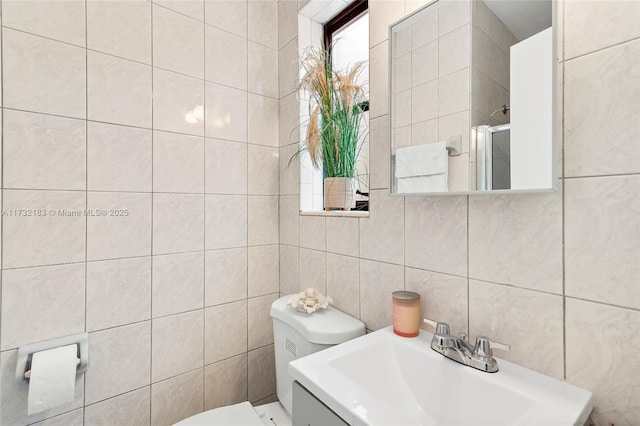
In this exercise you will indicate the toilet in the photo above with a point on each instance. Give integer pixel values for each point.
(295, 334)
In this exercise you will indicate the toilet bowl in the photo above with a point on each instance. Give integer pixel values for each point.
(295, 334)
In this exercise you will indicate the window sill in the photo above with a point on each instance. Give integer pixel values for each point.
(335, 213)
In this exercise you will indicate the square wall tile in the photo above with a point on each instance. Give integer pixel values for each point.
(379, 160)
(598, 139)
(260, 322)
(58, 20)
(313, 232)
(43, 151)
(263, 272)
(313, 270)
(15, 395)
(125, 229)
(262, 373)
(454, 50)
(288, 119)
(287, 21)
(226, 221)
(225, 382)
(50, 79)
(121, 28)
(225, 58)
(289, 269)
(425, 63)
(343, 283)
(226, 112)
(178, 103)
(377, 282)
(383, 13)
(263, 22)
(517, 240)
(378, 80)
(289, 171)
(609, 335)
(289, 219)
(381, 235)
(177, 398)
(442, 297)
(225, 167)
(436, 234)
(177, 344)
(602, 264)
(118, 292)
(63, 283)
(263, 220)
(178, 223)
(263, 120)
(55, 233)
(225, 331)
(263, 70)
(263, 170)
(133, 408)
(119, 90)
(109, 375)
(505, 314)
(228, 15)
(452, 15)
(343, 236)
(453, 92)
(178, 283)
(288, 71)
(178, 42)
(594, 25)
(177, 163)
(225, 276)
(118, 158)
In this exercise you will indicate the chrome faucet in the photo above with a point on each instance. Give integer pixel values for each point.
(460, 350)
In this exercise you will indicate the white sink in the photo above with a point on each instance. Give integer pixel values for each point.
(384, 379)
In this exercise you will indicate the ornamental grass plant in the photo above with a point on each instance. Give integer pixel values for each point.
(336, 106)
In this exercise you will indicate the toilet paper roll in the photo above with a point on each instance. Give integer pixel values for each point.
(53, 378)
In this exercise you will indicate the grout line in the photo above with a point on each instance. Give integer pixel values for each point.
(151, 321)
(560, 137)
(86, 188)
(204, 207)
(1, 168)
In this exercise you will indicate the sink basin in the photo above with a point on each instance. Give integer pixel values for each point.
(384, 379)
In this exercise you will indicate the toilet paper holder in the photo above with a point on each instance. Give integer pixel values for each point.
(25, 353)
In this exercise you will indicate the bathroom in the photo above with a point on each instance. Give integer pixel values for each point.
(175, 117)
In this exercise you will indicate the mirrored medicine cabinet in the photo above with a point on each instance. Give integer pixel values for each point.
(473, 98)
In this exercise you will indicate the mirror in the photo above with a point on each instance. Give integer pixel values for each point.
(473, 98)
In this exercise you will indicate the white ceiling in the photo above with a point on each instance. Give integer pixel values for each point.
(524, 18)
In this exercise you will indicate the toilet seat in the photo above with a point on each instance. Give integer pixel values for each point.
(241, 414)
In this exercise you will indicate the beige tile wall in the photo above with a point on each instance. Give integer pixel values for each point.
(168, 109)
(556, 276)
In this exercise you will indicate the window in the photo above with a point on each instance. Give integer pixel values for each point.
(347, 38)
(348, 34)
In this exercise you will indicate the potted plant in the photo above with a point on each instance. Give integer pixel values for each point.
(336, 103)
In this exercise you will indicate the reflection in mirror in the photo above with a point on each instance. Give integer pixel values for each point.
(472, 97)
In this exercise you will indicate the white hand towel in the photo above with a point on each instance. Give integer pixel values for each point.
(422, 168)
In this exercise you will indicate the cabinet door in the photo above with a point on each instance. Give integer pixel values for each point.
(310, 411)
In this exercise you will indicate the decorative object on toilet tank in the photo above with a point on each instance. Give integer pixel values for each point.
(336, 103)
(309, 301)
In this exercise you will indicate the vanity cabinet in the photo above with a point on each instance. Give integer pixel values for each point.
(310, 411)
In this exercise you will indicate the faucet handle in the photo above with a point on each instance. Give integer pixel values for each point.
(484, 347)
(441, 327)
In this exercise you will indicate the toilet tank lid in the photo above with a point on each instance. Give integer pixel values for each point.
(325, 326)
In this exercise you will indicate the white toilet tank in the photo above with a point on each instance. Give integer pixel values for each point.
(296, 334)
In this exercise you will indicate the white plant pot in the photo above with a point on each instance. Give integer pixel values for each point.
(339, 193)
